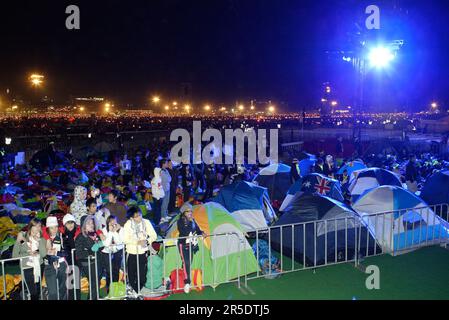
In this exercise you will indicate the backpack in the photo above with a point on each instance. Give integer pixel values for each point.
(177, 281)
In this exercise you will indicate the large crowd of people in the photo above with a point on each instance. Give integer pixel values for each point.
(119, 200)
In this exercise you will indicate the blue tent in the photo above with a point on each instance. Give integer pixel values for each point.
(366, 179)
(314, 183)
(305, 166)
(276, 178)
(352, 166)
(316, 229)
(439, 181)
(406, 221)
(248, 203)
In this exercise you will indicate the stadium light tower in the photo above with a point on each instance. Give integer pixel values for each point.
(380, 57)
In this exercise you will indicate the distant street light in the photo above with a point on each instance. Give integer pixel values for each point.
(36, 79)
(207, 107)
(167, 108)
(107, 107)
(334, 103)
(156, 99)
(434, 105)
(82, 109)
(271, 109)
(241, 107)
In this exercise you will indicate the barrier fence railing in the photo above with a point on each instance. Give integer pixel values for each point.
(222, 257)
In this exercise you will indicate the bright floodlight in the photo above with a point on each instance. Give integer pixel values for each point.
(380, 57)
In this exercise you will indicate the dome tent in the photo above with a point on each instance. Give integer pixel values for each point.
(352, 166)
(399, 220)
(276, 178)
(316, 229)
(366, 179)
(314, 183)
(439, 181)
(221, 258)
(248, 203)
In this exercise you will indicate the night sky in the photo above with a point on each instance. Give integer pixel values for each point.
(226, 49)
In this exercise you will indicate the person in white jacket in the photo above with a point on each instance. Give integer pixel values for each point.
(112, 253)
(158, 193)
(138, 235)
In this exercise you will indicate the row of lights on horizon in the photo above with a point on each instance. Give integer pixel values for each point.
(187, 107)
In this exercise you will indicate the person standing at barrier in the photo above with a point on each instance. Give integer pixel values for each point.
(188, 243)
(55, 263)
(87, 245)
(69, 233)
(138, 235)
(112, 253)
(31, 243)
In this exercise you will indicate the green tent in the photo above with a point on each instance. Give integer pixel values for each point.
(222, 257)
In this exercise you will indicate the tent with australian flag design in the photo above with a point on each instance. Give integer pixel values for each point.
(314, 183)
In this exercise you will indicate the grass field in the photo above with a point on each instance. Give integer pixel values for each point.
(422, 274)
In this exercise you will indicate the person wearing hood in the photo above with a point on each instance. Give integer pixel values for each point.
(31, 243)
(138, 235)
(158, 194)
(87, 245)
(55, 270)
(78, 206)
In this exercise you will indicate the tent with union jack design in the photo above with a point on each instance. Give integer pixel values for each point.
(314, 183)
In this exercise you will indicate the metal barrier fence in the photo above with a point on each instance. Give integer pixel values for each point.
(293, 247)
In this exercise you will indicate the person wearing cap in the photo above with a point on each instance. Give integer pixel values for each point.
(187, 242)
(87, 245)
(70, 231)
(55, 263)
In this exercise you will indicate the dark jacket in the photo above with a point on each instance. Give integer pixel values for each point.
(83, 246)
(411, 173)
(185, 227)
(187, 177)
(294, 174)
(69, 240)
